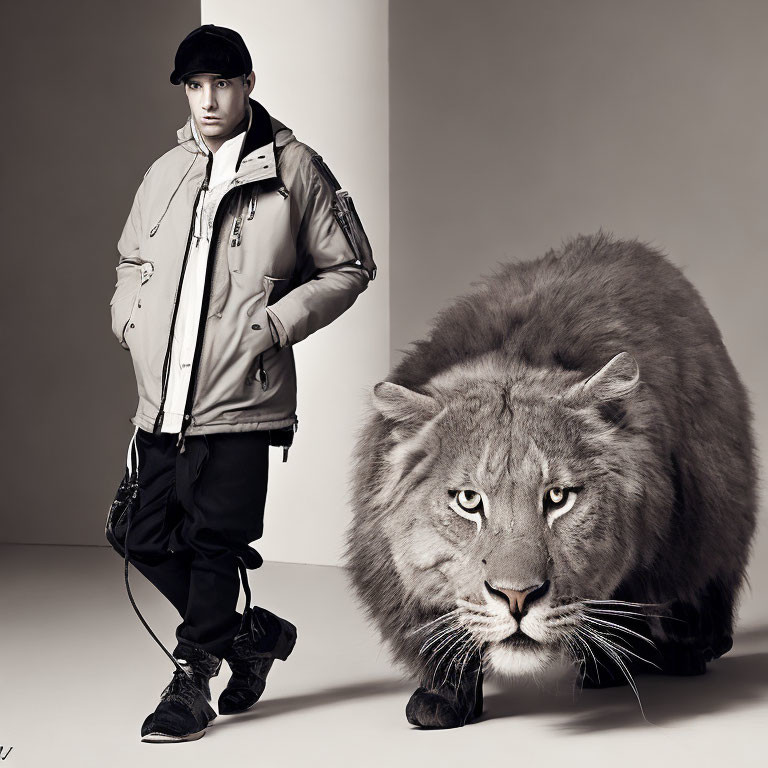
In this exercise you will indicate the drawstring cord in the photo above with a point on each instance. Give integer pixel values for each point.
(155, 228)
(199, 209)
(241, 566)
(129, 464)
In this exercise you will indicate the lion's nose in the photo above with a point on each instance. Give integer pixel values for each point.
(520, 599)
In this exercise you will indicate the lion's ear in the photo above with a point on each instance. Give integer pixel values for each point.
(618, 378)
(402, 404)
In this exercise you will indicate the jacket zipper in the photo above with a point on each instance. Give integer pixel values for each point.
(191, 391)
(166, 362)
(206, 302)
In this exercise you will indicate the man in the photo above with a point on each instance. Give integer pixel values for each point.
(238, 246)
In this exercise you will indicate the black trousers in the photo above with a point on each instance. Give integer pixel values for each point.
(198, 511)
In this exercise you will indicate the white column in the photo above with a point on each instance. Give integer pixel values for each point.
(322, 69)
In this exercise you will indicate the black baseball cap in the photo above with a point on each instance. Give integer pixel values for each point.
(209, 48)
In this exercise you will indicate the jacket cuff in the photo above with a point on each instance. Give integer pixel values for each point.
(279, 336)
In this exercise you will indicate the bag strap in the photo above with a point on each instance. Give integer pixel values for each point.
(130, 467)
(245, 623)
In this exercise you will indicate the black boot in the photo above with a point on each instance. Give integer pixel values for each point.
(184, 711)
(263, 638)
(454, 702)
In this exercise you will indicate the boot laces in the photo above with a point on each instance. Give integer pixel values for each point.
(182, 688)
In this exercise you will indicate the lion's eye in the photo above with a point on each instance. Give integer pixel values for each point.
(469, 499)
(467, 503)
(558, 500)
(555, 495)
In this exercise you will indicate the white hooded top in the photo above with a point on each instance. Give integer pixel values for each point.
(191, 298)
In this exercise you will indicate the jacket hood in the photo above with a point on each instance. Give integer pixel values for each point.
(262, 129)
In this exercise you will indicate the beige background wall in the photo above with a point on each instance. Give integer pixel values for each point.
(513, 125)
(517, 124)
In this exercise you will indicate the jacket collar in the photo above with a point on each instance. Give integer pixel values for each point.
(262, 129)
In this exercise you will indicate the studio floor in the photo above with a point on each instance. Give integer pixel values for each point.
(80, 673)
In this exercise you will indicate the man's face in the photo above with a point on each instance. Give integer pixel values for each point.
(218, 106)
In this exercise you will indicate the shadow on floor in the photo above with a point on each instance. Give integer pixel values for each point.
(731, 682)
(278, 706)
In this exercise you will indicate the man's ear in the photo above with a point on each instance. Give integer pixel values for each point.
(250, 82)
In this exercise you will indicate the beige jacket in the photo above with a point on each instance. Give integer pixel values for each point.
(277, 251)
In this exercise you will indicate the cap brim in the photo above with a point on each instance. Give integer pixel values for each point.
(176, 78)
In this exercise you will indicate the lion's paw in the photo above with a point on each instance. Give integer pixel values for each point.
(428, 709)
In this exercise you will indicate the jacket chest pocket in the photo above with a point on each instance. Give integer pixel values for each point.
(259, 236)
(244, 210)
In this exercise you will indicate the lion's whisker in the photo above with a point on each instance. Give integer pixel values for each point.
(447, 638)
(475, 646)
(620, 628)
(577, 634)
(473, 607)
(439, 635)
(623, 602)
(608, 648)
(442, 618)
(460, 654)
(635, 613)
(458, 639)
(617, 645)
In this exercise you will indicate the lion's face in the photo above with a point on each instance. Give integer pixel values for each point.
(511, 510)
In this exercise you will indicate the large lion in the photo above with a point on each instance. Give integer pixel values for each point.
(564, 469)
